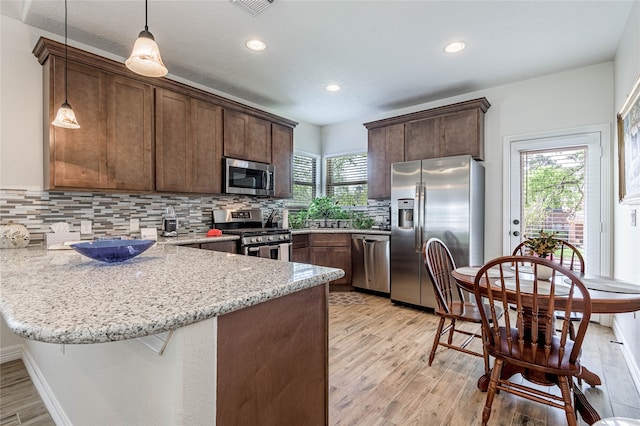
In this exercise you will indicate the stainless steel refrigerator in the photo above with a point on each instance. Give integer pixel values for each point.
(440, 197)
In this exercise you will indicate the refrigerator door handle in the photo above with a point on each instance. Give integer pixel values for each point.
(417, 218)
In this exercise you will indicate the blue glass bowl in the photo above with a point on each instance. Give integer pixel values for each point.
(112, 251)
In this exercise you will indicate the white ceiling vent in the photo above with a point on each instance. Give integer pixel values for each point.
(253, 6)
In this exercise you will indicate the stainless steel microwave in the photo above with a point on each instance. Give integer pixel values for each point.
(248, 177)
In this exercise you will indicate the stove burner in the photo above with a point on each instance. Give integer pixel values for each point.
(245, 223)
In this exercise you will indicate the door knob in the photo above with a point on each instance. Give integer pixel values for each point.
(516, 233)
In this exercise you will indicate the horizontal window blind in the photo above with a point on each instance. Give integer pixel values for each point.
(305, 175)
(553, 193)
(347, 179)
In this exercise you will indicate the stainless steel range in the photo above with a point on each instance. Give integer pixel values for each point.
(255, 239)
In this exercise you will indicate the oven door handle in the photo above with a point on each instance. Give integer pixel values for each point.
(256, 249)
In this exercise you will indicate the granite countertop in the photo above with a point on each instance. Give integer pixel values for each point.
(339, 231)
(63, 297)
(200, 238)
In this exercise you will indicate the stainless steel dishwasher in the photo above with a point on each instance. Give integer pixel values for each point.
(370, 262)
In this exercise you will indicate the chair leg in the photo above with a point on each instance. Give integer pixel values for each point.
(495, 376)
(451, 330)
(565, 388)
(572, 336)
(485, 354)
(436, 340)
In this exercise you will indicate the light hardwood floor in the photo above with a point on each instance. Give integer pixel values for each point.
(378, 355)
(378, 374)
(20, 403)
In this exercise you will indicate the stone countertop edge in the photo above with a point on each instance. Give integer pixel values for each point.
(63, 297)
(339, 231)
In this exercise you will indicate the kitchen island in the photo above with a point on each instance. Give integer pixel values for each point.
(247, 337)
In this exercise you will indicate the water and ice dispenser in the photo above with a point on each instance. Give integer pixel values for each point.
(405, 213)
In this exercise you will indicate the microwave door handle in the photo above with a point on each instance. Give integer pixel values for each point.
(267, 180)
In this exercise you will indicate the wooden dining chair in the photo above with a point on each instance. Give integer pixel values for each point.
(569, 257)
(566, 255)
(525, 342)
(452, 305)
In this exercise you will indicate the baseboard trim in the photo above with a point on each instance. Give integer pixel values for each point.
(46, 394)
(11, 353)
(634, 369)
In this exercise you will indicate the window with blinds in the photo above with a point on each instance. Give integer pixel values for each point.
(347, 179)
(305, 178)
(553, 193)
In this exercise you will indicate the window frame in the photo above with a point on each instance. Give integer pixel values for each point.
(318, 177)
(342, 154)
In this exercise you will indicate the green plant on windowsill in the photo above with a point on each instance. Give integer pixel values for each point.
(361, 220)
(542, 244)
(297, 220)
(325, 208)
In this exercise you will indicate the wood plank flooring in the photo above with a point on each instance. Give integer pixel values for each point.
(378, 374)
(20, 403)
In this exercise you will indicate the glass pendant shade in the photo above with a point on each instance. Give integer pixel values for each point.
(145, 58)
(66, 117)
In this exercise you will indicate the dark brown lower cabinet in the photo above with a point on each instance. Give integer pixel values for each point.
(273, 362)
(300, 248)
(332, 250)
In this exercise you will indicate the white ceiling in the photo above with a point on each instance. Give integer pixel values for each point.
(385, 54)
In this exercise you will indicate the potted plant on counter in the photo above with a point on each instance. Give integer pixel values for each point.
(324, 212)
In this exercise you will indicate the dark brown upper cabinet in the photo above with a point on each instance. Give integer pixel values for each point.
(112, 147)
(456, 129)
(386, 146)
(246, 137)
(282, 159)
(188, 144)
(118, 113)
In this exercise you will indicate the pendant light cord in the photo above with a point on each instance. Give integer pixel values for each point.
(146, 14)
(66, 86)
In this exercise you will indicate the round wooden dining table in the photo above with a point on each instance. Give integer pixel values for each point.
(608, 296)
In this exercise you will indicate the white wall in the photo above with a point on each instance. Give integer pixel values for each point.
(307, 137)
(21, 108)
(128, 383)
(21, 163)
(570, 99)
(344, 138)
(627, 238)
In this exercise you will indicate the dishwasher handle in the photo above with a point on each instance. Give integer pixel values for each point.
(369, 259)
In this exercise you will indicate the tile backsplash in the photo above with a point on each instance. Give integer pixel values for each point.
(110, 213)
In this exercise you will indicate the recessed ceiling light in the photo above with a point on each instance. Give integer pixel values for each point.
(256, 45)
(333, 87)
(455, 47)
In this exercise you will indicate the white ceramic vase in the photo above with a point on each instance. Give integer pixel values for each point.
(543, 272)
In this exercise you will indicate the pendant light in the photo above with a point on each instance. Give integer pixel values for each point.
(145, 58)
(65, 117)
